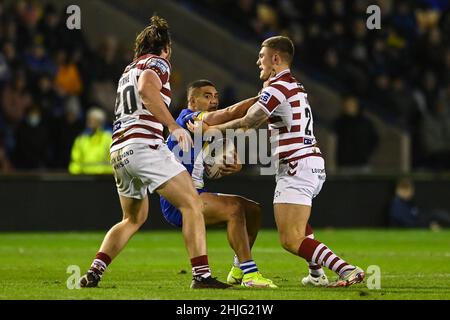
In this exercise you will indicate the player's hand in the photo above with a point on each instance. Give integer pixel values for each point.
(230, 168)
(197, 126)
(183, 137)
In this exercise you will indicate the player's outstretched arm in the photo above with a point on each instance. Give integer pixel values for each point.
(253, 119)
(149, 87)
(235, 111)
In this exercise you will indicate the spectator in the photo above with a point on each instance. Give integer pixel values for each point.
(66, 130)
(48, 27)
(16, 99)
(68, 76)
(403, 212)
(435, 137)
(38, 62)
(403, 104)
(32, 141)
(107, 68)
(356, 137)
(90, 151)
(381, 92)
(47, 97)
(10, 55)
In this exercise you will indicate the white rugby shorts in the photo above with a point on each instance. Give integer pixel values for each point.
(299, 181)
(137, 167)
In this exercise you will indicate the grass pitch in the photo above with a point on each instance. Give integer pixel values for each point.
(414, 265)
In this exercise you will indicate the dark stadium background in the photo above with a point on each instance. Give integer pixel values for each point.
(400, 75)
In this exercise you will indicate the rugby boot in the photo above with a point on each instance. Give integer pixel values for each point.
(256, 280)
(235, 276)
(208, 283)
(320, 281)
(355, 276)
(89, 280)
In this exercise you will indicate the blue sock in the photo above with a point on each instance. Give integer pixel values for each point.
(248, 266)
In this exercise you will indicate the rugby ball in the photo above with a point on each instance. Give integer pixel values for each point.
(215, 155)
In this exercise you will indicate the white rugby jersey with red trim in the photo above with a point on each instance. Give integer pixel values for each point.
(290, 117)
(133, 122)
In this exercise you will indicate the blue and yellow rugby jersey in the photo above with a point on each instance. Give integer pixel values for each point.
(194, 165)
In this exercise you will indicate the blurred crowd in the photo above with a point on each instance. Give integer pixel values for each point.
(49, 78)
(403, 69)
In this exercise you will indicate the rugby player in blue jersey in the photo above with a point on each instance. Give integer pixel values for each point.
(242, 216)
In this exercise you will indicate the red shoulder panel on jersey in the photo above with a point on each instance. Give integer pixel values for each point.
(285, 91)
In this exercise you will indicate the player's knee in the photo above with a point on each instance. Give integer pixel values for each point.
(192, 206)
(289, 242)
(284, 241)
(136, 220)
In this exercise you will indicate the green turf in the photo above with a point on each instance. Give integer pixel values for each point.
(414, 265)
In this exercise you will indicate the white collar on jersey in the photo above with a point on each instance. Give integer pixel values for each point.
(280, 74)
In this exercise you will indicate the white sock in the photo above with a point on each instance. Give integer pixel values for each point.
(236, 262)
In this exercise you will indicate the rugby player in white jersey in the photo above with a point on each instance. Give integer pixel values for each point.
(141, 159)
(300, 166)
(242, 216)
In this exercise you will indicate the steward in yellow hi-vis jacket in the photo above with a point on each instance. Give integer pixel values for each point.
(90, 151)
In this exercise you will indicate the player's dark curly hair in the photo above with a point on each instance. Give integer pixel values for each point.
(153, 39)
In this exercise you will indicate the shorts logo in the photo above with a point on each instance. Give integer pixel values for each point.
(292, 168)
(121, 160)
(265, 96)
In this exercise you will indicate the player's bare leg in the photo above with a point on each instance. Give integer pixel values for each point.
(227, 209)
(252, 217)
(135, 213)
(291, 220)
(181, 193)
(231, 210)
(252, 211)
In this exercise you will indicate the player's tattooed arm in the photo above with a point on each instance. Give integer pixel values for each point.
(235, 111)
(253, 119)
